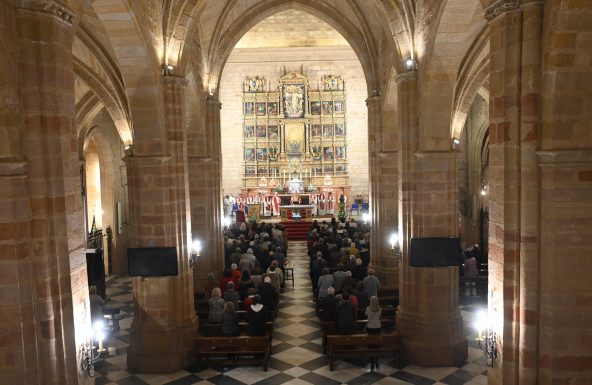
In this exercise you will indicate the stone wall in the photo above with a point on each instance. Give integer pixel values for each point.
(314, 63)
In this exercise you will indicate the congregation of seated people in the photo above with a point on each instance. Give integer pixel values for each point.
(255, 256)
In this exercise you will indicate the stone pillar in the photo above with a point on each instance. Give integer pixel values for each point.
(164, 325)
(383, 197)
(41, 222)
(505, 182)
(428, 316)
(205, 171)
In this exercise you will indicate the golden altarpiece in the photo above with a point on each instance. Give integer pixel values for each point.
(295, 133)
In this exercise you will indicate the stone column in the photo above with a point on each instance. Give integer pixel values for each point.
(41, 222)
(428, 315)
(505, 181)
(383, 197)
(164, 325)
(206, 198)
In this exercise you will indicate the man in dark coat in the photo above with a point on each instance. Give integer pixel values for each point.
(269, 295)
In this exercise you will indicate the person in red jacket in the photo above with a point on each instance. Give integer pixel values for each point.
(224, 281)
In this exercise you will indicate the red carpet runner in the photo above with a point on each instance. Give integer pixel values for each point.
(297, 230)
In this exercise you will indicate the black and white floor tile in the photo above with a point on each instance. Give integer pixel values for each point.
(297, 356)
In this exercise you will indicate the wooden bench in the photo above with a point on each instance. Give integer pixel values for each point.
(363, 345)
(213, 329)
(330, 328)
(249, 350)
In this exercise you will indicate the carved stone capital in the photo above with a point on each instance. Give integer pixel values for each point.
(405, 77)
(500, 7)
(175, 80)
(52, 8)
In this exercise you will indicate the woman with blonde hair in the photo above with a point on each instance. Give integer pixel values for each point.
(216, 306)
(373, 325)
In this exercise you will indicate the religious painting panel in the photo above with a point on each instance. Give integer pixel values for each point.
(273, 153)
(340, 169)
(294, 100)
(317, 170)
(328, 153)
(315, 130)
(272, 108)
(249, 170)
(315, 108)
(272, 131)
(340, 152)
(294, 137)
(315, 151)
(249, 131)
(262, 154)
(327, 130)
(249, 154)
(329, 169)
(339, 129)
(261, 171)
(339, 106)
(261, 131)
(260, 109)
(327, 107)
(249, 108)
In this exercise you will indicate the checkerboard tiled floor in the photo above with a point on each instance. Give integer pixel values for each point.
(297, 354)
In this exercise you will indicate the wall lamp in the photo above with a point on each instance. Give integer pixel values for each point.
(366, 217)
(195, 250)
(455, 142)
(167, 70)
(395, 241)
(91, 354)
(410, 64)
(486, 337)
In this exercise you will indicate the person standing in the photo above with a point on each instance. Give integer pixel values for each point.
(226, 205)
(276, 205)
(373, 325)
(230, 326)
(371, 284)
(345, 315)
(216, 306)
(470, 274)
(313, 201)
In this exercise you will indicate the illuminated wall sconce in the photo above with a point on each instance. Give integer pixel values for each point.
(395, 241)
(167, 70)
(195, 250)
(455, 142)
(486, 337)
(91, 354)
(410, 64)
(128, 150)
(366, 217)
(484, 190)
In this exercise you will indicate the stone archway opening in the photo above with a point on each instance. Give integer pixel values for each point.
(294, 42)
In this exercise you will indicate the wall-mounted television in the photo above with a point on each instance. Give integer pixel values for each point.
(152, 261)
(435, 251)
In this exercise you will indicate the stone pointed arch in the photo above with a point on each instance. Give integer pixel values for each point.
(225, 40)
(140, 70)
(459, 23)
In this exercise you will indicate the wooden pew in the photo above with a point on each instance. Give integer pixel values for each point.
(213, 329)
(244, 349)
(330, 328)
(363, 345)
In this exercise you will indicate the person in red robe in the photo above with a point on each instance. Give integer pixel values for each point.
(276, 204)
(322, 203)
(330, 204)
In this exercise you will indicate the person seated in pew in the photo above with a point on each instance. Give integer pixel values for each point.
(230, 326)
(373, 326)
(257, 317)
(231, 295)
(329, 305)
(216, 306)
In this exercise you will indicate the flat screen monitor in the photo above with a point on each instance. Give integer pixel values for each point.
(435, 251)
(152, 261)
